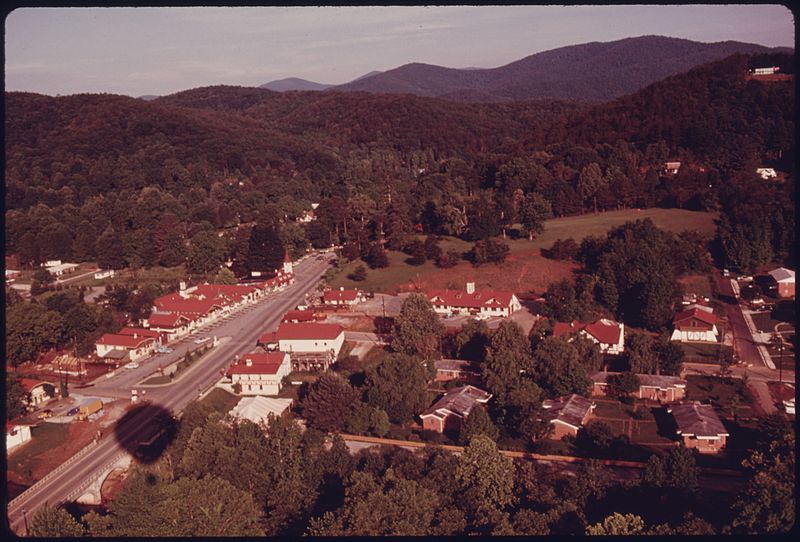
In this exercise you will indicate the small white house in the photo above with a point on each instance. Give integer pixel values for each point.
(104, 274)
(766, 173)
(472, 301)
(695, 325)
(136, 347)
(608, 334)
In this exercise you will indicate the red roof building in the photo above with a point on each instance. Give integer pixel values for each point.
(341, 297)
(167, 320)
(142, 332)
(260, 373)
(608, 334)
(299, 316)
(471, 301)
(695, 325)
(135, 347)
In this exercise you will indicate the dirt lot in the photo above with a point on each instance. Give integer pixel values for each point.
(521, 272)
(54, 443)
(351, 322)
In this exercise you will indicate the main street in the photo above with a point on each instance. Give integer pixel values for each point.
(243, 329)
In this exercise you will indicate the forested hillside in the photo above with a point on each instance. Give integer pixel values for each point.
(588, 72)
(81, 168)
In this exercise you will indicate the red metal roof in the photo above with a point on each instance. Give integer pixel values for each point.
(308, 331)
(259, 364)
(193, 306)
(269, 337)
(694, 314)
(125, 341)
(166, 320)
(28, 383)
(340, 295)
(141, 332)
(605, 333)
(480, 298)
(299, 316)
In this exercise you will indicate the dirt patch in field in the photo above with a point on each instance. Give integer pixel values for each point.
(352, 322)
(80, 435)
(521, 272)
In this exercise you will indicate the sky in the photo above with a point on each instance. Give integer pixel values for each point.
(162, 50)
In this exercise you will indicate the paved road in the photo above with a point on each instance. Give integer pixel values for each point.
(243, 331)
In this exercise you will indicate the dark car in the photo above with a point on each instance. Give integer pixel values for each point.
(73, 411)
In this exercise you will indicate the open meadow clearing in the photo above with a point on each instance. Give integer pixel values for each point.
(525, 270)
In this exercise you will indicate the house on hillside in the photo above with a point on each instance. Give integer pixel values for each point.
(672, 167)
(567, 414)
(311, 346)
(104, 274)
(56, 268)
(16, 435)
(475, 302)
(695, 325)
(784, 280)
(12, 274)
(661, 388)
(608, 334)
(699, 427)
(136, 348)
(457, 369)
(766, 173)
(308, 215)
(452, 409)
(260, 373)
(342, 297)
(36, 392)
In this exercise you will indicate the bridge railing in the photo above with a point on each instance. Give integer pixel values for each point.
(75, 493)
(49, 476)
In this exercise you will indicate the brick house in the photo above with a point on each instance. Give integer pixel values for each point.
(608, 334)
(449, 412)
(475, 302)
(695, 325)
(260, 373)
(567, 414)
(661, 388)
(699, 427)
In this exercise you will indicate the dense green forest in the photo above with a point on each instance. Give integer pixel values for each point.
(222, 479)
(88, 172)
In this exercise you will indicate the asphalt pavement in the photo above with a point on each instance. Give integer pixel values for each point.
(244, 329)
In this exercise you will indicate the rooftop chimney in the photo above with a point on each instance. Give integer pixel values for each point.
(470, 287)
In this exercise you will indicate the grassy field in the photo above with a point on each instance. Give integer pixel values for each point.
(698, 284)
(727, 396)
(142, 277)
(525, 269)
(220, 400)
(703, 352)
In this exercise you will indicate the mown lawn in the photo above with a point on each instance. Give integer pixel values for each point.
(728, 395)
(703, 352)
(525, 270)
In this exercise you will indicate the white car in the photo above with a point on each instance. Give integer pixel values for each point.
(201, 341)
(132, 365)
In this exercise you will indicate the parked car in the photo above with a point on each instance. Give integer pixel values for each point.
(73, 411)
(46, 413)
(132, 365)
(202, 340)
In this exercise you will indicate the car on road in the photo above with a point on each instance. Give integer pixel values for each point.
(73, 411)
(44, 414)
(202, 340)
(132, 365)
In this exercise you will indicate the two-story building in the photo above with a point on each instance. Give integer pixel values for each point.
(311, 345)
(260, 373)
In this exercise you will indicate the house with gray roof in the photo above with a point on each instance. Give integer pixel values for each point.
(699, 427)
(449, 412)
(567, 414)
(457, 369)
